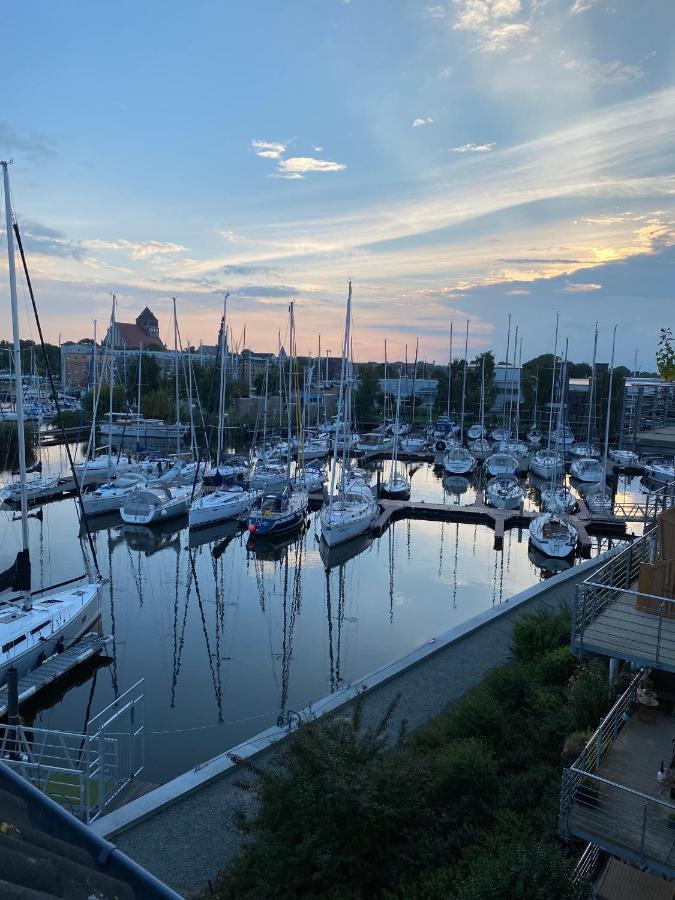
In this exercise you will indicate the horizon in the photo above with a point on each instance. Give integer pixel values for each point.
(465, 161)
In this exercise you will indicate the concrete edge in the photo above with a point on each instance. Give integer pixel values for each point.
(202, 774)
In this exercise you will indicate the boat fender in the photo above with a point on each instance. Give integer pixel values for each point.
(251, 528)
(440, 446)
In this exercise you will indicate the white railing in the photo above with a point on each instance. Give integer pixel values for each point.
(83, 772)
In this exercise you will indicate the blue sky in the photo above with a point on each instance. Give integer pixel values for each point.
(466, 158)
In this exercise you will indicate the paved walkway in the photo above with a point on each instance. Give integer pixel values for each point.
(187, 842)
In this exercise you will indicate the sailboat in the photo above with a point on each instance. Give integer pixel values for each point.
(171, 494)
(479, 444)
(504, 492)
(551, 532)
(585, 466)
(458, 460)
(351, 508)
(281, 511)
(229, 500)
(34, 629)
(548, 463)
(600, 503)
(310, 474)
(397, 485)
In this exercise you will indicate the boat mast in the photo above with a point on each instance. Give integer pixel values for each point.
(450, 371)
(111, 379)
(466, 359)
(386, 392)
(289, 419)
(592, 390)
(482, 399)
(555, 354)
(21, 438)
(341, 418)
(506, 376)
(267, 375)
(509, 433)
(609, 412)
(175, 351)
(223, 367)
(138, 400)
(394, 451)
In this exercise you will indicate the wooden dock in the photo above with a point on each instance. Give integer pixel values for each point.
(54, 668)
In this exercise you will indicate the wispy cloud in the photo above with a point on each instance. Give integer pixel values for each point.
(39, 238)
(492, 22)
(518, 292)
(34, 145)
(434, 12)
(296, 167)
(268, 149)
(572, 287)
(580, 6)
(612, 72)
(418, 123)
(135, 249)
(473, 148)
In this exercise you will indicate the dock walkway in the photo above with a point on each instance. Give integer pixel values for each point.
(55, 668)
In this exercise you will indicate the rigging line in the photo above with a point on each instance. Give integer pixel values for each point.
(55, 395)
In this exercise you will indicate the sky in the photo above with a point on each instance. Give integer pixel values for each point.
(460, 159)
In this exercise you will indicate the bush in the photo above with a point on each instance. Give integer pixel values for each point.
(537, 633)
(71, 418)
(9, 444)
(526, 870)
(588, 693)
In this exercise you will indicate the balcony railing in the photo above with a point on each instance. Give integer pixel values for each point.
(611, 587)
(620, 819)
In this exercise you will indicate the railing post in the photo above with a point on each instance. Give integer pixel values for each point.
(658, 635)
(644, 828)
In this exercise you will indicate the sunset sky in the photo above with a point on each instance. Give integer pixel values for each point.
(468, 158)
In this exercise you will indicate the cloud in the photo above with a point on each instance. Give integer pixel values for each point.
(488, 20)
(446, 71)
(39, 238)
(296, 167)
(418, 123)
(243, 269)
(518, 292)
(34, 144)
(473, 148)
(229, 235)
(580, 6)
(136, 249)
(434, 12)
(269, 149)
(265, 290)
(317, 149)
(612, 72)
(572, 287)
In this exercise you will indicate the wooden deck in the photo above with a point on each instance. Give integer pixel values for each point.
(634, 822)
(627, 632)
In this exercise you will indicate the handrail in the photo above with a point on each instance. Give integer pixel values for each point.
(622, 787)
(622, 590)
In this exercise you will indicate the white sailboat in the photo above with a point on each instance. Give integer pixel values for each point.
(479, 444)
(229, 500)
(504, 492)
(397, 484)
(351, 508)
(282, 511)
(34, 629)
(553, 535)
(458, 460)
(548, 463)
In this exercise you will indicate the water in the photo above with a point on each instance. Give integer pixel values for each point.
(228, 640)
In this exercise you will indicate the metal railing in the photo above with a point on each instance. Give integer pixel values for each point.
(618, 818)
(608, 583)
(647, 508)
(587, 864)
(83, 772)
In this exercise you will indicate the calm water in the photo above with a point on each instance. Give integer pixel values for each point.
(228, 640)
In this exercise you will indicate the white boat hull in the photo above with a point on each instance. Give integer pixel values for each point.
(220, 506)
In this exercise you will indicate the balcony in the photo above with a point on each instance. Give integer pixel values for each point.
(611, 795)
(618, 611)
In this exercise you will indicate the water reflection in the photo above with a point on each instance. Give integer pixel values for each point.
(230, 636)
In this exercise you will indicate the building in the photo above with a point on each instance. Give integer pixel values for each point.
(618, 794)
(506, 382)
(144, 332)
(425, 389)
(648, 405)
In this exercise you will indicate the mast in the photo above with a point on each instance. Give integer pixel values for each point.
(609, 412)
(450, 371)
(536, 397)
(138, 399)
(466, 357)
(111, 379)
(21, 438)
(341, 418)
(223, 376)
(291, 337)
(175, 350)
(555, 353)
(509, 434)
(506, 375)
(482, 399)
(386, 393)
(394, 450)
(92, 436)
(414, 380)
(267, 375)
(591, 390)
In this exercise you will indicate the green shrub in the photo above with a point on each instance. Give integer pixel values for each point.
(588, 693)
(538, 632)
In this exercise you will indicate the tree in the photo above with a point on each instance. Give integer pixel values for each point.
(368, 390)
(151, 377)
(119, 401)
(665, 355)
